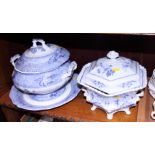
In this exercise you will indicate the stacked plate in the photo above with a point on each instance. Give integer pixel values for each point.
(43, 77)
(113, 83)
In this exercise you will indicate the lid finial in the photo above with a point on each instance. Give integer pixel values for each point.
(112, 55)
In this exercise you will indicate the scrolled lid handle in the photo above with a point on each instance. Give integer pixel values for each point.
(42, 42)
(112, 55)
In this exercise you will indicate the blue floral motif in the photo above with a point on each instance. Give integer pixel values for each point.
(56, 56)
(41, 82)
(57, 93)
(108, 69)
(98, 71)
(113, 104)
(53, 78)
(128, 84)
(109, 72)
(98, 84)
(34, 49)
(126, 64)
(49, 80)
(117, 102)
(105, 70)
(48, 96)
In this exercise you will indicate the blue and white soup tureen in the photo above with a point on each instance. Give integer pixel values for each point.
(113, 75)
(43, 68)
(111, 83)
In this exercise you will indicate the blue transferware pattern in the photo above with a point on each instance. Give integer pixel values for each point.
(151, 86)
(97, 83)
(128, 84)
(17, 97)
(40, 58)
(44, 82)
(112, 69)
(113, 104)
(108, 70)
(113, 75)
(49, 96)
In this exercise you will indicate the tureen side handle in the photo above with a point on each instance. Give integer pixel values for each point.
(14, 58)
(71, 68)
(87, 95)
(141, 94)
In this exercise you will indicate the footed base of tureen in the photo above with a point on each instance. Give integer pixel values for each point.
(112, 105)
(110, 115)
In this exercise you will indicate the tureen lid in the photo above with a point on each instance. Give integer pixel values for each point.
(39, 50)
(113, 74)
(40, 57)
(113, 67)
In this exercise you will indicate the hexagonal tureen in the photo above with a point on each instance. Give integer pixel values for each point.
(43, 68)
(113, 83)
(113, 75)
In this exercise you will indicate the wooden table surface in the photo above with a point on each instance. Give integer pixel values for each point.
(79, 110)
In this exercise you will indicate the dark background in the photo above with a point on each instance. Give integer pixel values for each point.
(103, 41)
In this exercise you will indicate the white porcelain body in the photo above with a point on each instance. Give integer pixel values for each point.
(151, 85)
(113, 76)
(113, 104)
(48, 101)
(40, 58)
(43, 83)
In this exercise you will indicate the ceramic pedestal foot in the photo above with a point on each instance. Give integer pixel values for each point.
(110, 116)
(127, 111)
(153, 112)
(141, 94)
(93, 108)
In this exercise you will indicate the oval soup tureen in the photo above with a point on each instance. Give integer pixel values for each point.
(113, 75)
(43, 68)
